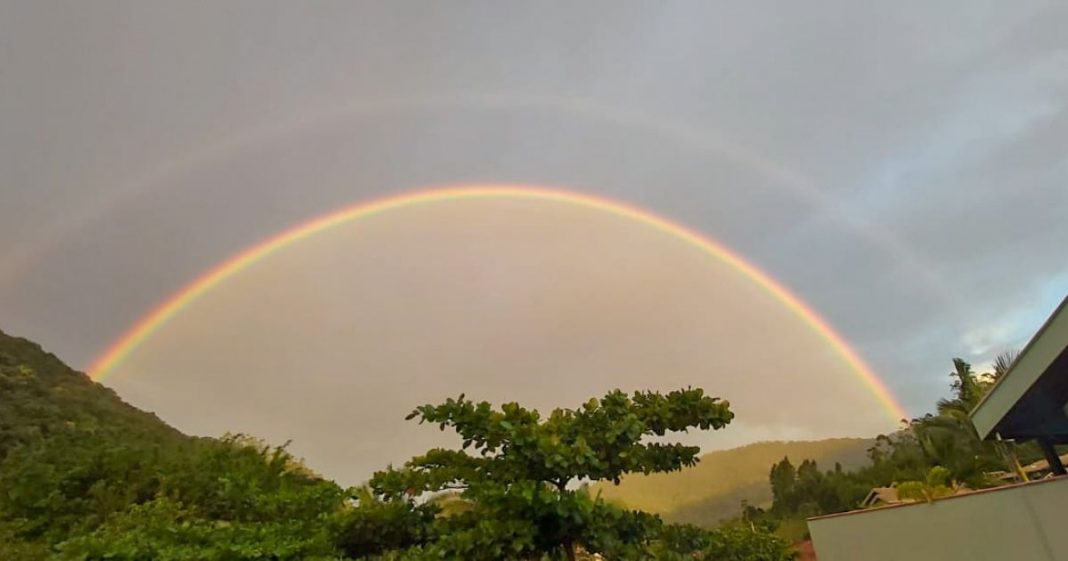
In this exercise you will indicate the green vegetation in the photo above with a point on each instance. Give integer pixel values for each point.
(43, 398)
(518, 479)
(710, 492)
(933, 456)
(84, 476)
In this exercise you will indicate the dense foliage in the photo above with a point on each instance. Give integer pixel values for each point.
(202, 499)
(519, 477)
(83, 476)
(43, 398)
(931, 457)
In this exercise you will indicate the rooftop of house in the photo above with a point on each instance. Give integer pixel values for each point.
(1029, 400)
(881, 495)
(961, 493)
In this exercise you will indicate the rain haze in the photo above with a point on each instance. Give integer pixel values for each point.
(900, 168)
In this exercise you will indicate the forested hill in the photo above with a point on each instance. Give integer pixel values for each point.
(87, 477)
(714, 489)
(40, 397)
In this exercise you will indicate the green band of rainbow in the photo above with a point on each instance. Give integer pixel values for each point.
(152, 322)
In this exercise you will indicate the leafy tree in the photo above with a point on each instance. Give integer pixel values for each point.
(746, 543)
(375, 526)
(242, 479)
(783, 478)
(519, 477)
(235, 499)
(731, 542)
(939, 483)
(72, 482)
(166, 530)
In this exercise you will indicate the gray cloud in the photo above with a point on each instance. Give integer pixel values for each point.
(900, 167)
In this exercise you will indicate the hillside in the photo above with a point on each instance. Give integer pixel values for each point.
(43, 398)
(85, 476)
(714, 489)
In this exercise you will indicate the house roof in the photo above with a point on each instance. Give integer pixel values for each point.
(887, 495)
(955, 496)
(1029, 400)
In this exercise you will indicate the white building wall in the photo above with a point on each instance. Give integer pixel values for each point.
(1019, 523)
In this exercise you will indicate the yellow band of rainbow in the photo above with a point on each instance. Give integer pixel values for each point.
(159, 316)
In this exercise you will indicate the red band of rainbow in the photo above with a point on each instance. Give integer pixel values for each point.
(159, 316)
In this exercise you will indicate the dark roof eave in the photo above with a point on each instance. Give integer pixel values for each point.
(1048, 342)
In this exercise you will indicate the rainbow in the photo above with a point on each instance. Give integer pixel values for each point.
(159, 316)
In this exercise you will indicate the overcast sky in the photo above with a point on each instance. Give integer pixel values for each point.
(901, 166)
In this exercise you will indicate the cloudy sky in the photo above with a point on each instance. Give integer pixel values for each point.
(900, 167)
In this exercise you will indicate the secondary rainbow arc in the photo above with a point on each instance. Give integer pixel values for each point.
(159, 316)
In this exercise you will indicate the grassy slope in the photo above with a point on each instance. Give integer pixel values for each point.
(714, 489)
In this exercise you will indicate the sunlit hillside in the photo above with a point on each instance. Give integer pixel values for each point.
(714, 489)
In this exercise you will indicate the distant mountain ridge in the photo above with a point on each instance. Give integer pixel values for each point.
(714, 489)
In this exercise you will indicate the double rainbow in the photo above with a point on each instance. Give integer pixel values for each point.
(159, 316)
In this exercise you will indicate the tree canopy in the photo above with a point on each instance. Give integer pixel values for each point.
(522, 466)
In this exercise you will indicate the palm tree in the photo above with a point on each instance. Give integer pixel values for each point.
(968, 387)
(950, 438)
(1003, 362)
